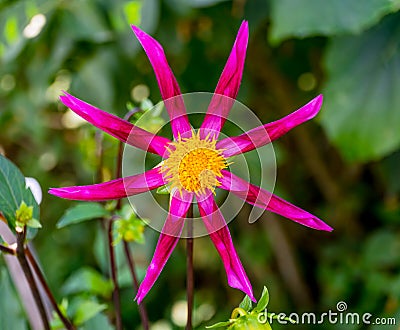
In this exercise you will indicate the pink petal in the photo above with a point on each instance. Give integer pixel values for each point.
(115, 189)
(115, 126)
(260, 136)
(220, 236)
(167, 241)
(167, 83)
(266, 200)
(227, 87)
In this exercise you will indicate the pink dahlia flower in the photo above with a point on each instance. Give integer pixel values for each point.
(194, 164)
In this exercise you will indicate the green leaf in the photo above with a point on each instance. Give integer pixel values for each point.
(263, 302)
(33, 223)
(360, 113)
(381, 250)
(13, 192)
(151, 124)
(87, 310)
(132, 11)
(82, 212)
(164, 190)
(99, 321)
(11, 30)
(246, 303)
(219, 325)
(88, 280)
(84, 21)
(303, 18)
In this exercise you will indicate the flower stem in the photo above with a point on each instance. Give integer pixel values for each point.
(189, 269)
(21, 233)
(118, 173)
(113, 267)
(6, 249)
(67, 323)
(142, 308)
(118, 168)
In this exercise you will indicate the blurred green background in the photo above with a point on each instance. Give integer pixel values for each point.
(343, 166)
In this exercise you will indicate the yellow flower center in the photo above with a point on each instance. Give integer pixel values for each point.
(194, 164)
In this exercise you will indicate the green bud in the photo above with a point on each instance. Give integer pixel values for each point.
(244, 317)
(24, 217)
(129, 228)
(249, 322)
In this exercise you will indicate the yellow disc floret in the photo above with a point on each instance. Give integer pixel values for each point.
(194, 164)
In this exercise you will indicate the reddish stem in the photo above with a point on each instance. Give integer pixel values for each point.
(67, 323)
(142, 307)
(189, 269)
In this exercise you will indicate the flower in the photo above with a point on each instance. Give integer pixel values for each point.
(194, 164)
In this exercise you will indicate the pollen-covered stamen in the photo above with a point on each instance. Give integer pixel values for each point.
(194, 164)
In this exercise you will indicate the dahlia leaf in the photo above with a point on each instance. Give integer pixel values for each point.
(14, 193)
(82, 212)
(361, 115)
(296, 18)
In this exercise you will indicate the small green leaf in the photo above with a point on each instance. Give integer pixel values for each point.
(219, 325)
(150, 123)
(164, 190)
(56, 323)
(100, 321)
(90, 281)
(82, 212)
(263, 302)
(33, 223)
(132, 12)
(146, 105)
(11, 30)
(246, 303)
(87, 310)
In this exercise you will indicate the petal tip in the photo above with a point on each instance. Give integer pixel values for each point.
(139, 33)
(243, 33)
(327, 228)
(138, 298)
(55, 191)
(135, 29)
(245, 24)
(321, 225)
(319, 99)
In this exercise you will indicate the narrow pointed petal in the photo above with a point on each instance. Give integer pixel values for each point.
(115, 126)
(167, 241)
(220, 236)
(167, 83)
(266, 200)
(228, 86)
(262, 135)
(115, 189)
